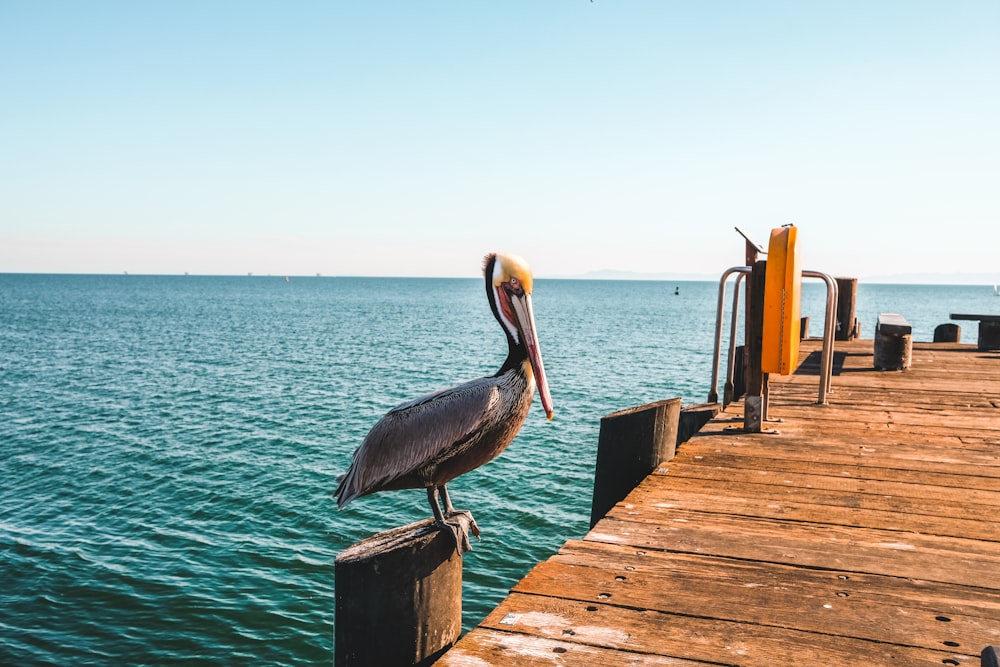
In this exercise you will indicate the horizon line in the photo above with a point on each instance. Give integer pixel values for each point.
(608, 275)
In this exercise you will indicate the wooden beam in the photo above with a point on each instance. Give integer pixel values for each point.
(754, 378)
(631, 444)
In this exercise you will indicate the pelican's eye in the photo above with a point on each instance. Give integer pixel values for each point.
(514, 286)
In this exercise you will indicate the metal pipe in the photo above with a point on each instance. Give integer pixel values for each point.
(829, 327)
(713, 393)
(728, 388)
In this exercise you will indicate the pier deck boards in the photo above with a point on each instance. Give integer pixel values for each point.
(864, 532)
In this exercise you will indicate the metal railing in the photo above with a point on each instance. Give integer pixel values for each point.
(829, 329)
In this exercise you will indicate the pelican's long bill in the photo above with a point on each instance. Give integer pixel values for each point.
(525, 317)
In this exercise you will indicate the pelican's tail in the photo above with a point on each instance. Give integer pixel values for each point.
(344, 494)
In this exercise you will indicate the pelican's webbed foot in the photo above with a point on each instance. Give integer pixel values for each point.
(457, 522)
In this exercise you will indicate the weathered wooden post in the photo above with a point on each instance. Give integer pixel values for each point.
(948, 333)
(734, 390)
(398, 597)
(848, 327)
(693, 418)
(631, 444)
(754, 378)
(989, 334)
(989, 330)
(804, 328)
(893, 343)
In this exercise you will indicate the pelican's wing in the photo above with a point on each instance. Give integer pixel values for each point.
(416, 433)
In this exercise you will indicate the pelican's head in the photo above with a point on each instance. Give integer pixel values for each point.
(509, 285)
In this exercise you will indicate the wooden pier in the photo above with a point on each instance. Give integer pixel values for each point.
(862, 532)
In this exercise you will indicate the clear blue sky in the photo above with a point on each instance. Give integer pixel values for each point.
(410, 138)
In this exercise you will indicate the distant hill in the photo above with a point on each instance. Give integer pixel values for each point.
(614, 274)
(891, 279)
(935, 279)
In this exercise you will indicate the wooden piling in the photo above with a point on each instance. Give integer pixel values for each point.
(893, 343)
(631, 444)
(848, 327)
(989, 336)
(948, 333)
(754, 377)
(398, 597)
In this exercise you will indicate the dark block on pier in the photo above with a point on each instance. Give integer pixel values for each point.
(893, 324)
(989, 336)
(989, 329)
(893, 342)
(948, 333)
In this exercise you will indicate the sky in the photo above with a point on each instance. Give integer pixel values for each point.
(411, 138)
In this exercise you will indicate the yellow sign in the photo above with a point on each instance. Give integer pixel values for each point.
(782, 303)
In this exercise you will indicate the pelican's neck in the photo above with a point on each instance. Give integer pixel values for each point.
(517, 357)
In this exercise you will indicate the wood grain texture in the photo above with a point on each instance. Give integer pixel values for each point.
(863, 532)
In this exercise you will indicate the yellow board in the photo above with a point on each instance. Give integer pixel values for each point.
(782, 303)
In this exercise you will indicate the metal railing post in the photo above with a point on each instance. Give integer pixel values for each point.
(829, 329)
(713, 394)
(728, 387)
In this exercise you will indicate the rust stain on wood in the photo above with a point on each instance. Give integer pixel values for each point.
(866, 532)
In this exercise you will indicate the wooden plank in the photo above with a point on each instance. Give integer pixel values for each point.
(492, 647)
(766, 595)
(929, 358)
(804, 396)
(980, 318)
(927, 490)
(827, 425)
(952, 387)
(868, 550)
(699, 639)
(917, 420)
(957, 475)
(818, 435)
(855, 369)
(859, 397)
(899, 514)
(895, 458)
(960, 405)
(876, 417)
(880, 448)
(892, 592)
(851, 401)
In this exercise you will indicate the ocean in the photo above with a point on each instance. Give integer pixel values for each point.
(170, 443)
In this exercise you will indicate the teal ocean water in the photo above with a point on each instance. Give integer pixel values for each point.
(169, 444)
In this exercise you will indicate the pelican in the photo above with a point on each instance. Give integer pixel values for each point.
(429, 441)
